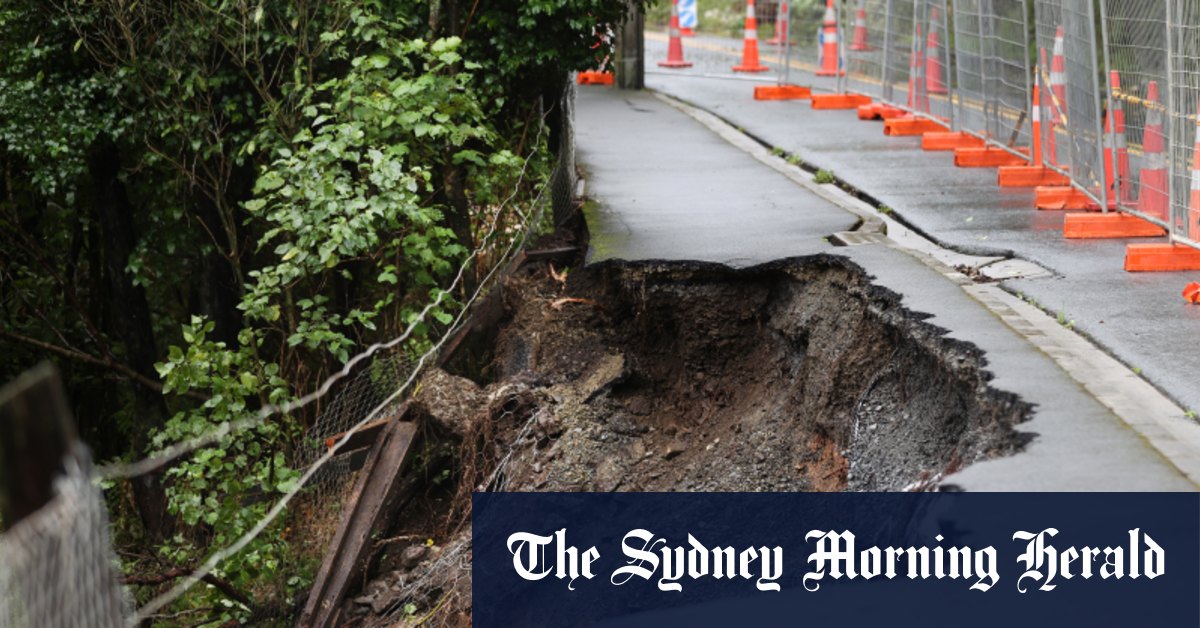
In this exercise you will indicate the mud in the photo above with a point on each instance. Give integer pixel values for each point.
(799, 375)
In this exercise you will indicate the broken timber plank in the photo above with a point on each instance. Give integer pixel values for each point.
(371, 502)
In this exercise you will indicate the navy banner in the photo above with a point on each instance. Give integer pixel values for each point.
(836, 559)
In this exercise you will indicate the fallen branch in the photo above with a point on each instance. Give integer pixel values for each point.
(179, 572)
(86, 358)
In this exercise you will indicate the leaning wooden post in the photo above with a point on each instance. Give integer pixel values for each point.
(56, 558)
(37, 433)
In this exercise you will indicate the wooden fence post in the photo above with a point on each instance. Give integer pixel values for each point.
(37, 432)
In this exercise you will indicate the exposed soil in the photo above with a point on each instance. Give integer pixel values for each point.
(795, 376)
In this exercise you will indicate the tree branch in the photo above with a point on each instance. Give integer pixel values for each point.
(79, 356)
(179, 572)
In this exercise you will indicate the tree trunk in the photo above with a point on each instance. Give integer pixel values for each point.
(218, 295)
(458, 214)
(129, 317)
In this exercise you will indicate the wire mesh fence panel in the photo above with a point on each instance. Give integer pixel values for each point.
(930, 80)
(1009, 78)
(969, 60)
(992, 57)
(1134, 37)
(898, 69)
(807, 47)
(1183, 105)
(1068, 30)
(57, 568)
(863, 31)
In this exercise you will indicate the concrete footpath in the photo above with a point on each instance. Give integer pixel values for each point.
(667, 186)
(1140, 318)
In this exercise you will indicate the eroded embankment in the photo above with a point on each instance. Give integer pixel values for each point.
(799, 375)
(796, 376)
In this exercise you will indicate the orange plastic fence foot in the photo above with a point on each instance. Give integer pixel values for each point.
(781, 92)
(1063, 197)
(987, 157)
(1030, 177)
(1111, 225)
(750, 68)
(880, 111)
(1161, 257)
(911, 125)
(592, 77)
(869, 111)
(839, 101)
(949, 140)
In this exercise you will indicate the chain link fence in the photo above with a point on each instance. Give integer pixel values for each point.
(991, 49)
(1067, 29)
(57, 568)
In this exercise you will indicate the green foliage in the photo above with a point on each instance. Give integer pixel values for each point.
(824, 176)
(350, 187)
(301, 179)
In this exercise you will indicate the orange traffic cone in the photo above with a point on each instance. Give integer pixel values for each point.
(860, 28)
(934, 70)
(675, 46)
(1123, 179)
(1036, 121)
(1116, 153)
(781, 25)
(1109, 171)
(1035, 174)
(1193, 225)
(829, 63)
(1051, 138)
(916, 71)
(1152, 180)
(1058, 79)
(750, 44)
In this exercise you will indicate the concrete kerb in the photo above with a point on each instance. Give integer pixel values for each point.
(1146, 410)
